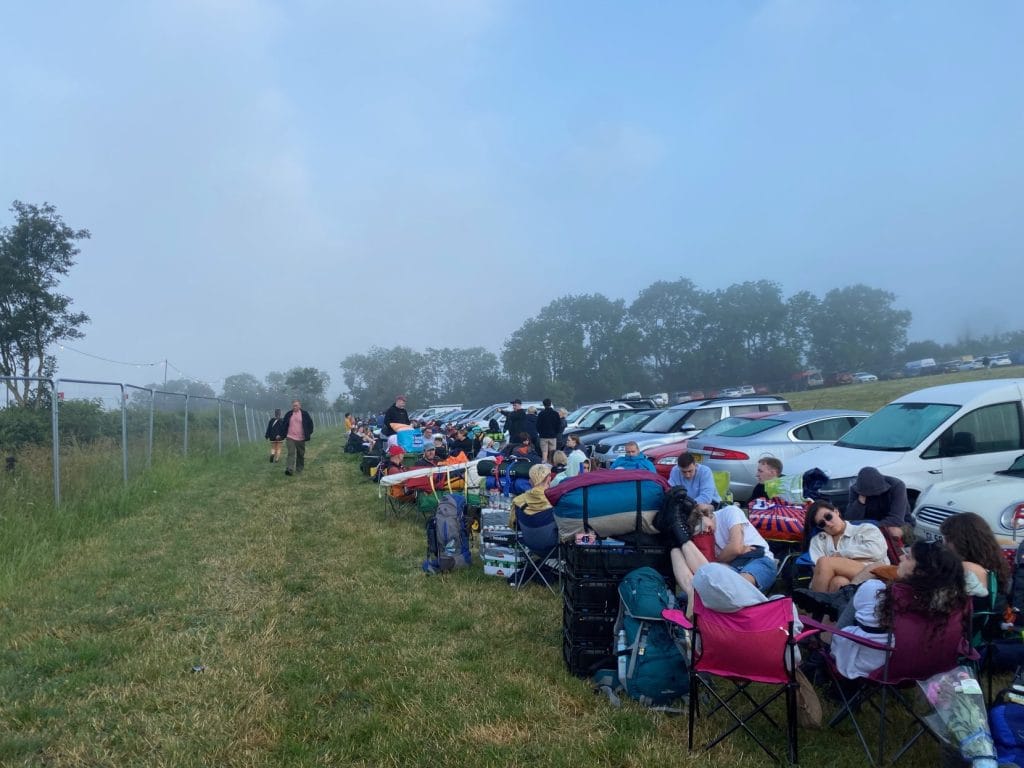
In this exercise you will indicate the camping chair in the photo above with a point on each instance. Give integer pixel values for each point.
(752, 645)
(986, 629)
(396, 498)
(536, 544)
(917, 647)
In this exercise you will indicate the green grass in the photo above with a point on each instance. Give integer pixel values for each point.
(872, 396)
(322, 641)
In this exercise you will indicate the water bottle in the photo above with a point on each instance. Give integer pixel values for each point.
(620, 647)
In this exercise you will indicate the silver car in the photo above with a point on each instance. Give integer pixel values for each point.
(735, 445)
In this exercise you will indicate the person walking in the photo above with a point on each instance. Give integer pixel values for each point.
(276, 430)
(298, 431)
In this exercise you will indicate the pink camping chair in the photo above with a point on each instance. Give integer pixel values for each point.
(752, 645)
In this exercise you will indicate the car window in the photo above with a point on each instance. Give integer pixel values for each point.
(745, 428)
(721, 426)
(739, 409)
(826, 429)
(702, 418)
(572, 417)
(990, 429)
(775, 407)
(664, 421)
(591, 418)
(631, 422)
(898, 426)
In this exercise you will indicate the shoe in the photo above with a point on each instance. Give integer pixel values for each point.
(680, 522)
(288, 472)
(271, 459)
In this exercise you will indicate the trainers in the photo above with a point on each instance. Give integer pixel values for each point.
(271, 458)
(680, 522)
(288, 472)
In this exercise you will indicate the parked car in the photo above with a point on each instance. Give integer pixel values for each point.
(576, 418)
(734, 445)
(939, 433)
(684, 420)
(747, 390)
(599, 421)
(999, 360)
(998, 497)
(863, 377)
(730, 392)
(633, 421)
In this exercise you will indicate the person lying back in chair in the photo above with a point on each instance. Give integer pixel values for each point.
(534, 500)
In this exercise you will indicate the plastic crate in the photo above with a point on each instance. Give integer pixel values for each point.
(592, 592)
(585, 625)
(581, 657)
(606, 561)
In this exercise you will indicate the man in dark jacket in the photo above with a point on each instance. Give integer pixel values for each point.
(878, 497)
(298, 430)
(549, 427)
(515, 420)
(275, 434)
(396, 414)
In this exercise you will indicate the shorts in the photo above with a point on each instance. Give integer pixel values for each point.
(763, 569)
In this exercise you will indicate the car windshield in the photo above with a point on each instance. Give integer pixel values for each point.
(591, 418)
(572, 417)
(737, 427)
(632, 422)
(898, 426)
(1017, 468)
(664, 421)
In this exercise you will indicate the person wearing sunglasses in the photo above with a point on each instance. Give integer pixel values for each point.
(840, 549)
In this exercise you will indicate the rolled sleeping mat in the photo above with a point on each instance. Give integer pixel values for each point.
(608, 502)
(519, 469)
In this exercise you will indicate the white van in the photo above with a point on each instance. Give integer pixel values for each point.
(939, 433)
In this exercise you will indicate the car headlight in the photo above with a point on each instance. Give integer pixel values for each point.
(1012, 518)
(838, 485)
(667, 460)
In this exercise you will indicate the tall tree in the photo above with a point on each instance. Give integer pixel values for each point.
(244, 388)
(373, 379)
(308, 385)
(35, 253)
(670, 318)
(857, 327)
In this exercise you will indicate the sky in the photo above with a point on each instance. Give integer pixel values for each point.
(277, 184)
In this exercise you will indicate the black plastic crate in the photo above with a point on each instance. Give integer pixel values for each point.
(581, 657)
(614, 561)
(592, 592)
(582, 625)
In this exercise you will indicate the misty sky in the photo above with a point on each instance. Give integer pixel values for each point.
(271, 184)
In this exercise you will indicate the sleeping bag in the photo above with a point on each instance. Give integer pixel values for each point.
(609, 502)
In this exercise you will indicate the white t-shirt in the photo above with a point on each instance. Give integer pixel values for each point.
(726, 519)
(853, 660)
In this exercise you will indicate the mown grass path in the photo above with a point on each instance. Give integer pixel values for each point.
(321, 642)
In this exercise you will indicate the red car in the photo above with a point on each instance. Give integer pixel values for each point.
(664, 456)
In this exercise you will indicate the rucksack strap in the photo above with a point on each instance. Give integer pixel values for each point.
(639, 508)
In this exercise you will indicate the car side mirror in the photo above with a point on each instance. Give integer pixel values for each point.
(688, 428)
(600, 427)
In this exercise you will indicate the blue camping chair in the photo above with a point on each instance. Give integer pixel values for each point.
(537, 547)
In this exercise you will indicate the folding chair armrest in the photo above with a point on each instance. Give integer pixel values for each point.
(836, 632)
(676, 616)
(806, 634)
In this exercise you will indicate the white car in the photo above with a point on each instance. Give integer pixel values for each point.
(949, 432)
(863, 377)
(999, 498)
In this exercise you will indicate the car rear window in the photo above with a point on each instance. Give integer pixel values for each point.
(747, 428)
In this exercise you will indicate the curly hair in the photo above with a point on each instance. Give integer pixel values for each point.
(937, 583)
(971, 538)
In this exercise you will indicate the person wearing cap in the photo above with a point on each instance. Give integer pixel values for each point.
(298, 430)
(515, 420)
(881, 498)
(395, 465)
(396, 414)
(429, 457)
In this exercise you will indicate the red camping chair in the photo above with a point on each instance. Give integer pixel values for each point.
(918, 646)
(752, 645)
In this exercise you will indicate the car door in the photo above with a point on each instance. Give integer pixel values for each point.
(981, 441)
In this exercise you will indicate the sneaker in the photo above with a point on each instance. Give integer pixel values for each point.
(680, 524)
(271, 459)
(288, 472)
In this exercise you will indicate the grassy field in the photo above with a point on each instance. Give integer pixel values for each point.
(320, 640)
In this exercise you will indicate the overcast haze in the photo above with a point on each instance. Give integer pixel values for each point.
(272, 184)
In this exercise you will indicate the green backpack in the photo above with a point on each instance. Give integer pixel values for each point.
(651, 655)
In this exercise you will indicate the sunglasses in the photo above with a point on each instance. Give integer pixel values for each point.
(825, 519)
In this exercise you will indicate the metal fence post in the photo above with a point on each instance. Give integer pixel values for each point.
(149, 449)
(234, 420)
(55, 426)
(220, 431)
(124, 434)
(186, 424)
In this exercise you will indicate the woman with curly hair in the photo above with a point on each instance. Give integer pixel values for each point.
(969, 536)
(935, 577)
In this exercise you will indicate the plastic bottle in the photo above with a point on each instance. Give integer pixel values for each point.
(620, 647)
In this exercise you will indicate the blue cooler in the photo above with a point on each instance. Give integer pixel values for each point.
(411, 440)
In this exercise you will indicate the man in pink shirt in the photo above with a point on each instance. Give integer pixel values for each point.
(300, 429)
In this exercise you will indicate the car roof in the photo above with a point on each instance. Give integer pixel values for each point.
(965, 391)
(689, 405)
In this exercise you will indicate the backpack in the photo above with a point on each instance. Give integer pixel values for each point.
(1006, 720)
(1017, 584)
(447, 537)
(651, 660)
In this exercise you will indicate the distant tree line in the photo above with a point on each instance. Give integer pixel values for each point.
(674, 336)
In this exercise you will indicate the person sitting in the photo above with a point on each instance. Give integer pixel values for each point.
(355, 442)
(935, 575)
(576, 463)
(878, 497)
(558, 463)
(969, 536)
(429, 457)
(461, 444)
(487, 449)
(633, 459)
(698, 480)
(522, 449)
(768, 468)
(395, 465)
(532, 501)
(440, 447)
(840, 549)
